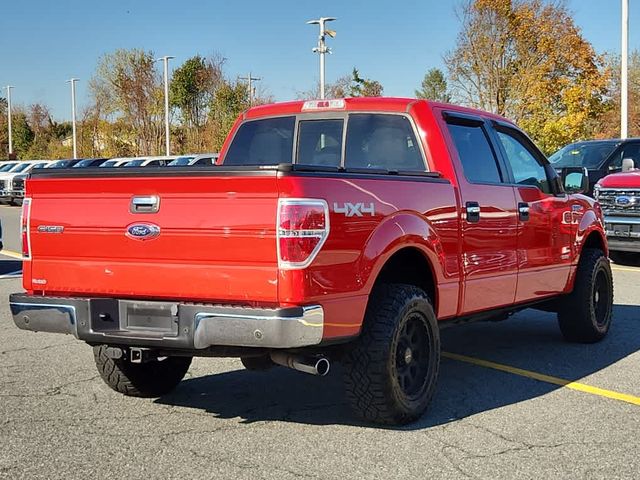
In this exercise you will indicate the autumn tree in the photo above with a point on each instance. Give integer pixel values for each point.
(434, 87)
(608, 125)
(127, 87)
(527, 60)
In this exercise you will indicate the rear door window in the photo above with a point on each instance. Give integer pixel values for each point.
(382, 141)
(267, 141)
(320, 142)
(478, 160)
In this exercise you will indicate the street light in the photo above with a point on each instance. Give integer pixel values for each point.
(624, 85)
(9, 87)
(322, 49)
(73, 81)
(166, 59)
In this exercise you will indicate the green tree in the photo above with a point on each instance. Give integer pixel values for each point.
(434, 87)
(22, 134)
(229, 101)
(192, 88)
(363, 87)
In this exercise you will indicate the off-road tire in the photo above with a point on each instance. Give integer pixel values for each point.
(377, 373)
(584, 315)
(257, 364)
(150, 379)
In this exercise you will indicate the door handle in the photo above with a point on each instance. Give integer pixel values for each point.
(523, 211)
(145, 204)
(473, 212)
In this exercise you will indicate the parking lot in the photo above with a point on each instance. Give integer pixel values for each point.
(504, 409)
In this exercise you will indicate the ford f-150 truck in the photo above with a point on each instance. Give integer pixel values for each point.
(333, 230)
(619, 197)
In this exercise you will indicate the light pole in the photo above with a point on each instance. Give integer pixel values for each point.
(166, 59)
(624, 85)
(322, 49)
(9, 87)
(73, 81)
(250, 79)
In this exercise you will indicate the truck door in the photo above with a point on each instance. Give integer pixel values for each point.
(489, 219)
(545, 219)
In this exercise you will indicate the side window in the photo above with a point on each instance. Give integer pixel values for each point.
(320, 142)
(630, 150)
(204, 161)
(526, 168)
(382, 141)
(476, 155)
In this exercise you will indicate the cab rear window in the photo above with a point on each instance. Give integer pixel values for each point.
(262, 142)
(373, 141)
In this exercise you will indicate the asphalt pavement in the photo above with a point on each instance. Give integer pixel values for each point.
(494, 415)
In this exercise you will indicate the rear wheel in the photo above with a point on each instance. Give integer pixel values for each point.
(150, 379)
(391, 371)
(585, 314)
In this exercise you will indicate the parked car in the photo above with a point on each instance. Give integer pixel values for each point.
(149, 162)
(17, 184)
(203, 159)
(6, 178)
(6, 166)
(599, 157)
(90, 162)
(115, 162)
(619, 198)
(386, 219)
(68, 163)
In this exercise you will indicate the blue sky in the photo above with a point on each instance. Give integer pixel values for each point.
(45, 42)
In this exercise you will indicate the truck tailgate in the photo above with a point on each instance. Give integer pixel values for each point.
(216, 238)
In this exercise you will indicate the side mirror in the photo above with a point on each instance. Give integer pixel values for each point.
(628, 164)
(575, 179)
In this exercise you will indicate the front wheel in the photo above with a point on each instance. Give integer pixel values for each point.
(150, 379)
(585, 315)
(391, 371)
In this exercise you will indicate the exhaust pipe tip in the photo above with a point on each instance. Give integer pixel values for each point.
(314, 365)
(322, 367)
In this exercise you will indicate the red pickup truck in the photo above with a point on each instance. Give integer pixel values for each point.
(619, 197)
(334, 230)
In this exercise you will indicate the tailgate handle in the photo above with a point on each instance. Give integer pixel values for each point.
(146, 204)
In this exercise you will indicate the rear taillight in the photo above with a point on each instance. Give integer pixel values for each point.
(303, 227)
(24, 228)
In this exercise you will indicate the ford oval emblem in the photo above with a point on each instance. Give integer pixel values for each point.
(143, 231)
(623, 200)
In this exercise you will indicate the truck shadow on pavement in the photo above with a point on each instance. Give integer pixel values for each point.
(530, 340)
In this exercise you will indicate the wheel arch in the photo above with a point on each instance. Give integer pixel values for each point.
(404, 249)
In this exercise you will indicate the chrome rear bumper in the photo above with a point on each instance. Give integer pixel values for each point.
(168, 324)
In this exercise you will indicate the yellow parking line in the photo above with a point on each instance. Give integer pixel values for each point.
(581, 387)
(626, 269)
(11, 253)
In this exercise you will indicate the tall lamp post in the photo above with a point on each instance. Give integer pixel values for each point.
(322, 48)
(73, 81)
(9, 87)
(165, 60)
(624, 85)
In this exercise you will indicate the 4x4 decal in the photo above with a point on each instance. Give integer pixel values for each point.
(354, 209)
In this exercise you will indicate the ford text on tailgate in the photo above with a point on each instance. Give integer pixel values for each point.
(345, 231)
